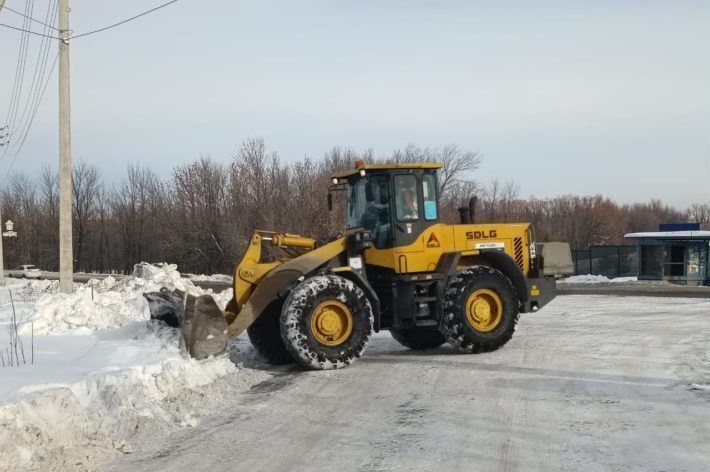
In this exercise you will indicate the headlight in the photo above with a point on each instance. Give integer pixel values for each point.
(355, 263)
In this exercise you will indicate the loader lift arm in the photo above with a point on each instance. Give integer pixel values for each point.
(251, 270)
(258, 284)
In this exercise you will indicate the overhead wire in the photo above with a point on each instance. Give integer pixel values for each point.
(15, 156)
(16, 85)
(5, 7)
(124, 21)
(25, 30)
(37, 90)
(23, 66)
(34, 95)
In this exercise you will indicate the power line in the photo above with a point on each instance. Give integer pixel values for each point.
(41, 62)
(25, 30)
(124, 21)
(28, 31)
(36, 92)
(29, 9)
(29, 17)
(19, 77)
(34, 113)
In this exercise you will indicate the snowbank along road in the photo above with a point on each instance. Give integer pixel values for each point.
(589, 383)
(81, 374)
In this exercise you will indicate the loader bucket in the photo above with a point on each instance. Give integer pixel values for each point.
(167, 306)
(200, 320)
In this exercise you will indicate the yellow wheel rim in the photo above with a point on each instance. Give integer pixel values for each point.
(484, 310)
(331, 323)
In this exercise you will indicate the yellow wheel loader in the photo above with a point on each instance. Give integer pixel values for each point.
(397, 267)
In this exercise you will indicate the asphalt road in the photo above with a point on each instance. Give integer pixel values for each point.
(589, 383)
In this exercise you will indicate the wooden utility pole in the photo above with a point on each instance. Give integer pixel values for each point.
(66, 259)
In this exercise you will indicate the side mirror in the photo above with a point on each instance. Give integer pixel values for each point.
(330, 201)
(369, 192)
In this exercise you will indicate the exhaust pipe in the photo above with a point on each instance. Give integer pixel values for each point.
(468, 214)
(465, 215)
(472, 208)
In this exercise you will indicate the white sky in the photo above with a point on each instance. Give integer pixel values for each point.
(563, 97)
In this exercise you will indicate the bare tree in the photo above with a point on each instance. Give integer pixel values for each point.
(48, 225)
(85, 186)
(458, 167)
(202, 215)
(700, 213)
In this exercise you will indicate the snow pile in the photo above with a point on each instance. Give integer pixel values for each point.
(106, 303)
(41, 286)
(76, 425)
(86, 397)
(597, 279)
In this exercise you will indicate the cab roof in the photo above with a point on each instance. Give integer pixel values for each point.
(360, 165)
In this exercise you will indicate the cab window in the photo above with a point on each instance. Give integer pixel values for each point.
(405, 189)
(356, 204)
(429, 196)
(369, 208)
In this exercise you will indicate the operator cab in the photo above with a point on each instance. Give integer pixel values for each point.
(394, 202)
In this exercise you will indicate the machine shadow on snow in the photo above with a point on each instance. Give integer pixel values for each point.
(242, 356)
(278, 382)
(414, 355)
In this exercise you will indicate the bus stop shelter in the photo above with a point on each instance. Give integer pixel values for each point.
(679, 257)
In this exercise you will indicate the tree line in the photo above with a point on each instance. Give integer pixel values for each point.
(202, 215)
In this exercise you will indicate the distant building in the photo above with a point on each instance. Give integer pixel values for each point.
(676, 252)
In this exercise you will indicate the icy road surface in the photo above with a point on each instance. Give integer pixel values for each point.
(590, 383)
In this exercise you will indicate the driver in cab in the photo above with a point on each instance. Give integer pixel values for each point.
(408, 205)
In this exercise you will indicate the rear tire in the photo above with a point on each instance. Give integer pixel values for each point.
(418, 339)
(265, 335)
(326, 322)
(481, 310)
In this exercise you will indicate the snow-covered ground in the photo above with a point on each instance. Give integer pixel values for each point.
(588, 383)
(93, 367)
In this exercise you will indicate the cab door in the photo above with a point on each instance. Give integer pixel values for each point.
(407, 218)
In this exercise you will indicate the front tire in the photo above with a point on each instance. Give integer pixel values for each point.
(326, 322)
(418, 338)
(481, 310)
